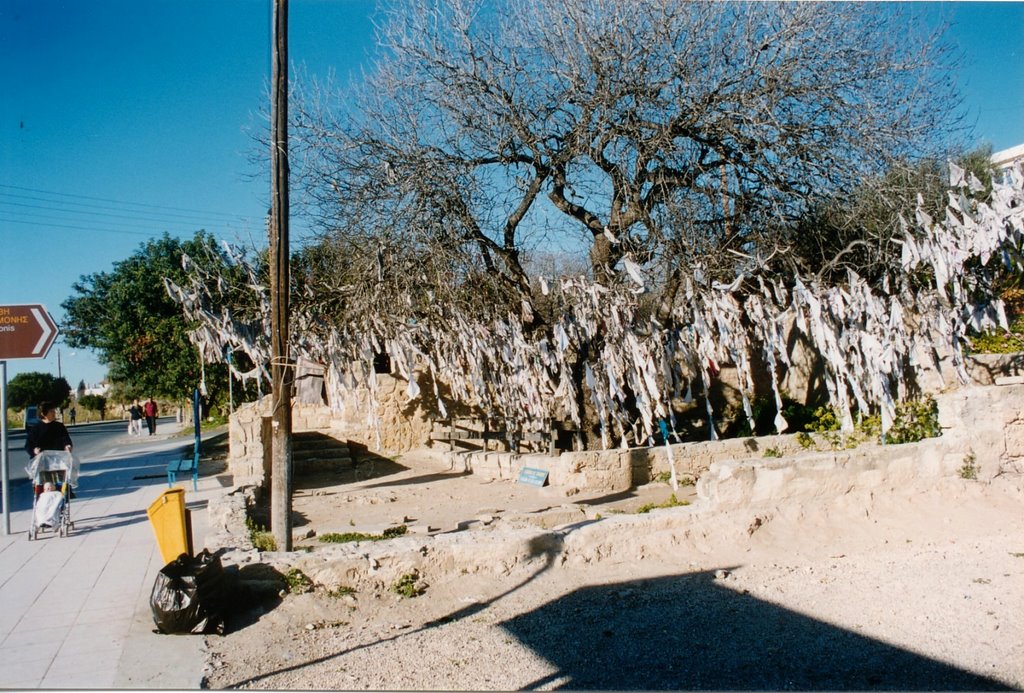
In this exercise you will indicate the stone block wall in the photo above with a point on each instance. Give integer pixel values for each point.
(983, 426)
(401, 426)
(988, 423)
(983, 423)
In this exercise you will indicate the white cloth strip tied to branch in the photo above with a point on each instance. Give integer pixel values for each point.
(868, 337)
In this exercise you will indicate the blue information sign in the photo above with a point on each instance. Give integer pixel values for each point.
(533, 476)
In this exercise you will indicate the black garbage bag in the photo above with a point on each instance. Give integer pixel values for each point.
(189, 595)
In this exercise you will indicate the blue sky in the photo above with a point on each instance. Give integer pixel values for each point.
(122, 119)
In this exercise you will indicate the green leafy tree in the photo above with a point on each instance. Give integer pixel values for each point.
(127, 317)
(124, 393)
(25, 389)
(96, 403)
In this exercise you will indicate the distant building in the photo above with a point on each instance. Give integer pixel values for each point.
(100, 389)
(1003, 161)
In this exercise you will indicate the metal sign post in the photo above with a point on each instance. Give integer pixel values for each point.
(4, 462)
(26, 332)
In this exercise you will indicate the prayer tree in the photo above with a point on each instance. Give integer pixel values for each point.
(669, 156)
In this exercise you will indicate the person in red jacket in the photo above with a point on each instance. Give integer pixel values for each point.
(150, 410)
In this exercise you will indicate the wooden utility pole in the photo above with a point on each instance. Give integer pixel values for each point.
(281, 366)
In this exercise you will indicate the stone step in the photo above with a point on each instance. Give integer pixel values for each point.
(311, 449)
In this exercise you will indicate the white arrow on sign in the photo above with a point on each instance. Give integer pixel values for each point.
(46, 331)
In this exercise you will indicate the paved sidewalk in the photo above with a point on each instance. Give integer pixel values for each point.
(74, 611)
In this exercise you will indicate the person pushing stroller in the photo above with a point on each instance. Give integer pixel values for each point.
(48, 434)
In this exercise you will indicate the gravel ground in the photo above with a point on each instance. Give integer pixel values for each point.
(917, 589)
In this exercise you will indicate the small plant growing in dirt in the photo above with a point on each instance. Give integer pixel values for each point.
(969, 469)
(672, 502)
(392, 532)
(805, 440)
(772, 452)
(408, 586)
(341, 591)
(345, 537)
(298, 582)
(261, 539)
(682, 480)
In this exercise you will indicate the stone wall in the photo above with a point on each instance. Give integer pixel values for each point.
(986, 422)
(401, 425)
(612, 471)
(981, 426)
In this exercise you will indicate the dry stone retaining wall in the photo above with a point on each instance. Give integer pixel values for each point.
(402, 426)
(985, 424)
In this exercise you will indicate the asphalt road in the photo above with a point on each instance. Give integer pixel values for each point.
(91, 440)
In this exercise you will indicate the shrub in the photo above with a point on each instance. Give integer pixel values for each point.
(969, 469)
(672, 502)
(916, 419)
(999, 342)
(261, 539)
(408, 586)
(298, 582)
(345, 537)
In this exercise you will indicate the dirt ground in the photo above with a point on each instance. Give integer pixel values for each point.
(427, 497)
(908, 588)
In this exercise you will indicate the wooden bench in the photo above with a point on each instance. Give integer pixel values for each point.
(455, 433)
(186, 465)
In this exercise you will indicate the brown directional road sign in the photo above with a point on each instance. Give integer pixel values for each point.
(26, 332)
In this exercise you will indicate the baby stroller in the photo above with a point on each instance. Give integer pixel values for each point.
(49, 471)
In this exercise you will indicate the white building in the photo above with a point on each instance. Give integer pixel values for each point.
(1004, 160)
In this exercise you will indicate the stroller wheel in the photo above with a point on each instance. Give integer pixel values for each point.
(28, 534)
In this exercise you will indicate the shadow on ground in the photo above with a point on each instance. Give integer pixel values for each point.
(690, 632)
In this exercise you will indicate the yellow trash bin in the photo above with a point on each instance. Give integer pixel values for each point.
(170, 520)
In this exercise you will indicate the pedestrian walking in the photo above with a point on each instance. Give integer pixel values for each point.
(135, 419)
(150, 410)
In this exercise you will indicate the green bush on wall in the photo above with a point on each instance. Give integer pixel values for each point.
(1000, 342)
(915, 420)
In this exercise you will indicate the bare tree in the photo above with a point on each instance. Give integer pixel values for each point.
(666, 143)
(660, 131)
